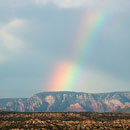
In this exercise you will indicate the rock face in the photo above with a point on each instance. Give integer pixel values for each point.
(68, 101)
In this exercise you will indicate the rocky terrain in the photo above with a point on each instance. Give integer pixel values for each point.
(64, 121)
(68, 101)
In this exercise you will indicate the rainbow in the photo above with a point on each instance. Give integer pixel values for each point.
(66, 74)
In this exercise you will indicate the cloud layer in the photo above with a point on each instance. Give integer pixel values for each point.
(63, 3)
(10, 43)
(116, 4)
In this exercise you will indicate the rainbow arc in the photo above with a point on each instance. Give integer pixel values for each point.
(66, 75)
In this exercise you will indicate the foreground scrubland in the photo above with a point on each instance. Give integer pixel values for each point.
(64, 121)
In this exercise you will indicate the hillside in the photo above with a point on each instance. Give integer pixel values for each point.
(125, 110)
(68, 101)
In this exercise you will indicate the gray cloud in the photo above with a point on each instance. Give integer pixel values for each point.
(119, 5)
(10, 44)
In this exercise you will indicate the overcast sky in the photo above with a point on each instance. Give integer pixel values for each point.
(36, 35)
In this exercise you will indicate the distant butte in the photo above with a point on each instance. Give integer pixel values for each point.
(68, 101)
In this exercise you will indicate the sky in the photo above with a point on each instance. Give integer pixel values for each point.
(64, 45)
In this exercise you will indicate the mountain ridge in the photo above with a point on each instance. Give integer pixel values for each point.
(125, 110)
(68, 101)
